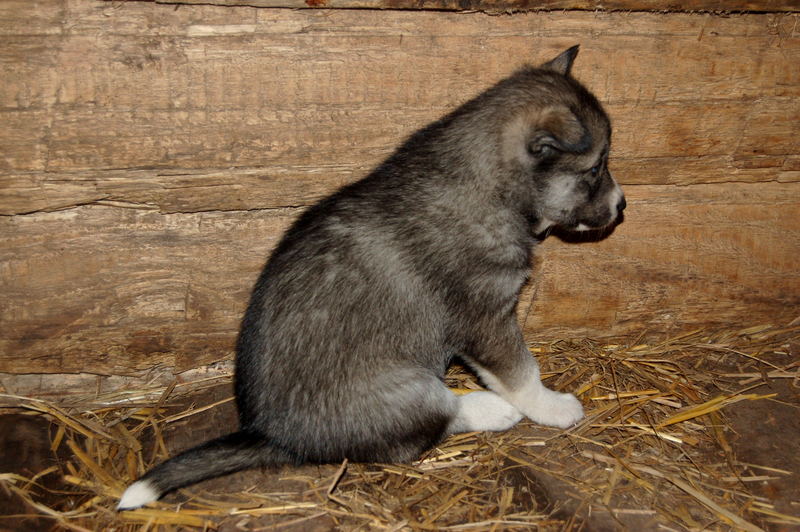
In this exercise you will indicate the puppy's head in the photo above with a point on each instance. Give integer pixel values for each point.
(557, 144)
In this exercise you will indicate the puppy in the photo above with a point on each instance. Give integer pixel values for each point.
(373, 290)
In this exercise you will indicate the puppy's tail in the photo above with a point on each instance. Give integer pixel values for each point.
(226, 454)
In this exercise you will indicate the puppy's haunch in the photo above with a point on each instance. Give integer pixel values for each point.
(373, 290)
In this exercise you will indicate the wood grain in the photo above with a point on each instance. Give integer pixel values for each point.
(121, 290)
(501, 6)
(707, 255)
(150, 157)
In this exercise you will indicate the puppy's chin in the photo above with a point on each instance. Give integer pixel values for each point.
(583, 226)
(586, 228)
(583, 232)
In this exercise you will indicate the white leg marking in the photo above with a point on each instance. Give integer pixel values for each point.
(483, 411)
(138, 494)
(539, 404)
(556, 409)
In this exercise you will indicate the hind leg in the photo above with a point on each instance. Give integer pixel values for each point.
(403, 417)
(479, 411)
(471, 412)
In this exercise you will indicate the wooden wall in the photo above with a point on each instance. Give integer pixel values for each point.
(151, 155)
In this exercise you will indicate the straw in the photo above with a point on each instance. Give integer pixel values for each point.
(653, 445)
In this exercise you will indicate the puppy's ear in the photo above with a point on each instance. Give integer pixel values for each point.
(563, 63)
(559, 130)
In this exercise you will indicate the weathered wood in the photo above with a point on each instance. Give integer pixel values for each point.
(113, 290)
(121, 290)
(150, 158)
(500, 6)
(148, 88)
(190, 190)
(707, 255)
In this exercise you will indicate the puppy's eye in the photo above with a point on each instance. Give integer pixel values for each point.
(596, 169)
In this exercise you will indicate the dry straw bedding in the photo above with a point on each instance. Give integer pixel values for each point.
(652, 453)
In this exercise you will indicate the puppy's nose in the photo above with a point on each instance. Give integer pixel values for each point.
(622, 204)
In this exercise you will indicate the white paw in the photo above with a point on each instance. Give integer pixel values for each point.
(556, 409)
(484, 411)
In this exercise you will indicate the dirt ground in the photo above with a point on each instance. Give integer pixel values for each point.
(768, 434)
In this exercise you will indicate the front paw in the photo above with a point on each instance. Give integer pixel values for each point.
(556, 409)
(478, 411)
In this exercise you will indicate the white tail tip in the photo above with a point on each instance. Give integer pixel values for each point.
(138, 494)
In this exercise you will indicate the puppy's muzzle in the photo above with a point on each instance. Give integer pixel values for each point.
(621, 205)
(617, 202)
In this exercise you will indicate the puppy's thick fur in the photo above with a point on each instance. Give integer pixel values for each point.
(374, 290)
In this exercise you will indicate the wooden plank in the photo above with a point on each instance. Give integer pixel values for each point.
(498, 6)
(116, 290)
(406, 60)
(706, 255)
(285, 185)
(121, 290)
(137, 86)
(175, 190)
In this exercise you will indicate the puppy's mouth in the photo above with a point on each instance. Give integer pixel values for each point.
(584, 227)
(614, 216)
(582, 232)
(545, 228)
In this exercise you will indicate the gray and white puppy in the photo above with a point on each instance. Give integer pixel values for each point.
(373, 290)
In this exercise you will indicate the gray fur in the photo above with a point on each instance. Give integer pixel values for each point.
(374, 290)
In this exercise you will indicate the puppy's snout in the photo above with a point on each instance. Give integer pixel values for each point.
(616, 201)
